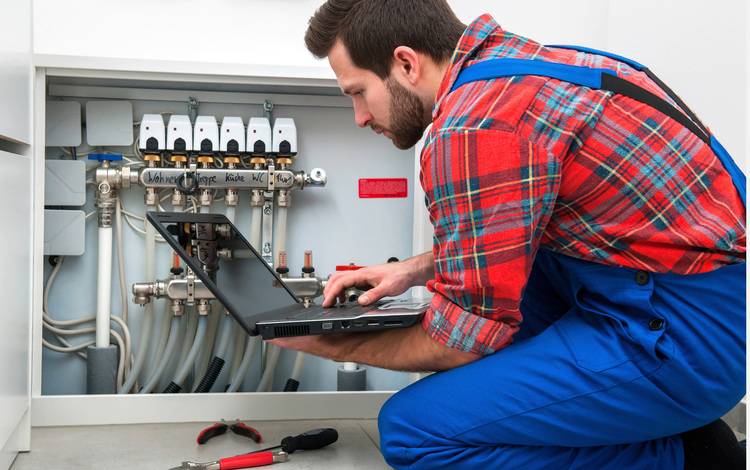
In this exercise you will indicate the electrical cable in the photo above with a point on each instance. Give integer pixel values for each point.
(118, 339)
(56, 326)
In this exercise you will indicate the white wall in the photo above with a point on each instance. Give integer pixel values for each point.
(700, 50)
(220, 31)
(697, 47)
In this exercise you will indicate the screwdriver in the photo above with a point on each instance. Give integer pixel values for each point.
(310, 440)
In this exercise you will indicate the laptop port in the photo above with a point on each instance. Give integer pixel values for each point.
(345, 324)
(327, 325)
(393, 323)
(358, 323)
(373, 323)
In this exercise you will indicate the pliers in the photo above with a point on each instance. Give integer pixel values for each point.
(257, 459)
(238, 427)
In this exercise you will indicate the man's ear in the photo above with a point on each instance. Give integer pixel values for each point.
(406, 64)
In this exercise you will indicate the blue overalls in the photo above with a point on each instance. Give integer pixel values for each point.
(610, 366)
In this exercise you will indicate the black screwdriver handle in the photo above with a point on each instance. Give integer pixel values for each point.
(309, 440)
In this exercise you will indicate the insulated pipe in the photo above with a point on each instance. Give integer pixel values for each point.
(201, 363)
(266, 381)
(247, 358)
(279, 234)
(176, 385)
(147, 318)
(292, 383)
(217, 362)
(214, 368)
(104, 287)
(239, 350)
(174, 333)
(225, 333)
(256, 220)
(187, 339)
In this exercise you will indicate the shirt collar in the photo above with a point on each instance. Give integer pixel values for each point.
(471, 40)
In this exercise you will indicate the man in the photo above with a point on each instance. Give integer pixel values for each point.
(588, 259)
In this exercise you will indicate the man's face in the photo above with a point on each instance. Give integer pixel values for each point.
(386, 106)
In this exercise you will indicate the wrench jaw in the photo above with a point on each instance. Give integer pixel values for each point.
(198, 466)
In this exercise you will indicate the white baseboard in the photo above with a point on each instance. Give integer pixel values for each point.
(79, 410)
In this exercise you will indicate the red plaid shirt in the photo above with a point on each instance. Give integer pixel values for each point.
(514, 164)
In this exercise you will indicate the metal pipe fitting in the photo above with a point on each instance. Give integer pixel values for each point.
(203, 307)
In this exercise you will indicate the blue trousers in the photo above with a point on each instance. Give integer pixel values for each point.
(610, 366)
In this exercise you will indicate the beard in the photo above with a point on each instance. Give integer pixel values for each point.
(409, 118)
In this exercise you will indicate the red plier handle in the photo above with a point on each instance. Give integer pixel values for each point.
(252, 460)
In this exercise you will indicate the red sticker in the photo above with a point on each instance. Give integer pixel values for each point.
(382, 187)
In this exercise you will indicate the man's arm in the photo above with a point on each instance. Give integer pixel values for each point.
(407, 349)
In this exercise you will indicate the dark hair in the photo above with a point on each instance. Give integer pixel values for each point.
(372, 29)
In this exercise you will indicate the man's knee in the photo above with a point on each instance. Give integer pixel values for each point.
(395, 437)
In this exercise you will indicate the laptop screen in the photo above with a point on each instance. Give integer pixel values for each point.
(246, 285)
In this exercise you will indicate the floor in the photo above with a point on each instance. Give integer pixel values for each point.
(163, 446)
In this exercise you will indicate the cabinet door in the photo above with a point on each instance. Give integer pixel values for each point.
(15, 279)
(15, 71)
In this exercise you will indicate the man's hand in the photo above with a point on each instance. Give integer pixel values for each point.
(384, 279)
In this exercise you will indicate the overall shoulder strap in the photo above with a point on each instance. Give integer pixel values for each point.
(605, 79)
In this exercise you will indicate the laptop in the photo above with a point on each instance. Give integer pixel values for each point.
(253, 292)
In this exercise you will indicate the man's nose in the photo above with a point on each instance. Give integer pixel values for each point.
(361, 116)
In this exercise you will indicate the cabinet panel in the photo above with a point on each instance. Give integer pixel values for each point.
(15, 78)
(15, 279)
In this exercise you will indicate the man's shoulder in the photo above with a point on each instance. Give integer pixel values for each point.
(495, 104)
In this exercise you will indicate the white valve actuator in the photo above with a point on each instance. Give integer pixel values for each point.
(152, 133)
(179, 133)
(206, 134)
(232, 135)
(284, 136)
(259, 136)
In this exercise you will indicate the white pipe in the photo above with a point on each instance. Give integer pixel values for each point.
(239, 350)
(204, 355)
(273, 352)
(279, 234)
(200, 335)
(247, 358)
(272, 358)
(122, 282)
(256, 225)
(187, 340)
(147, 318)
(299, 363)
(104, 287)
(350, 366)
(174, 333)
(225, 333)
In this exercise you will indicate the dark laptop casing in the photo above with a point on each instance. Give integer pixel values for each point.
(272, 309)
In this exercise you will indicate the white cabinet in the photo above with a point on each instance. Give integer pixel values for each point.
(15, 72)
(15, 277)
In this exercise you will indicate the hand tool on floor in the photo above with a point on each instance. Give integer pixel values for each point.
(237, 427)
(310, 440)
(256, 459)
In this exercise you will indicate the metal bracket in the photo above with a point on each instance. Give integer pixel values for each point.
(190, 279)
(192, 108)
(267, 229)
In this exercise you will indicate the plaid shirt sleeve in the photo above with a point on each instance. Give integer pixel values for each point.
(489, 214)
